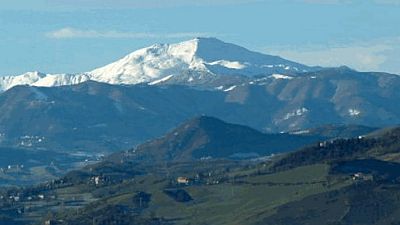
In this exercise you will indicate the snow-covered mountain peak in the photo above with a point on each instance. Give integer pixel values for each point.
(196, 61)
(151, 63)
(199, 57)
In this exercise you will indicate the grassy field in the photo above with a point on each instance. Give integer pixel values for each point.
(249, 199)
(243, 195)
(246, 199)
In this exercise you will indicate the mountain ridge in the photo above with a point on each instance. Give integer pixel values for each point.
(198, 60)
(125, 115)
(208, 137)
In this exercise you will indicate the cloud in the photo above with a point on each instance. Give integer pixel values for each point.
(49, 5)
(72, 5)
(144, 3)
(386, 2)
(70, 33)
(375, 55)
(178, 3)
(390, 2)
(327, 1)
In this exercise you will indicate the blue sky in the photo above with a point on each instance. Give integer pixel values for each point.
(68, 36)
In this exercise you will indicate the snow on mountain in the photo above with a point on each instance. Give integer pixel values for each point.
(8, 82)
(280, 76)
(152, 63)
(230, 88)
(229, 64)
(161, 80)
(51, 80)
(41, 80)
(199, 59)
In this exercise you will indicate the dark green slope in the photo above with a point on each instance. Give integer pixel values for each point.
(205, 137)
(335, 131)
(381, 145)
(360, 204)
(374, 196)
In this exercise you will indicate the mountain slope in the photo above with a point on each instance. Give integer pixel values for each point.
(41, 80)
(384, 145)
(208, 137)
(238, 192)
(337, 131)
(204, 57)
(100, 117)
(358, 187)
(200, 60)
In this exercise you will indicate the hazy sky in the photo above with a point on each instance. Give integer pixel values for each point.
(67, 36)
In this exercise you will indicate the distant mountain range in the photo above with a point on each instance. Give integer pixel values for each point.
(154, 89)
(201, 60)
(100, 117)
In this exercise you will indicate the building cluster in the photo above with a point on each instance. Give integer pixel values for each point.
(11, 168)
(200, 178)
(362, 177)
(29, 141)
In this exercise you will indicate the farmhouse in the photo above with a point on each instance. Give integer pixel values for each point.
(183, 180)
